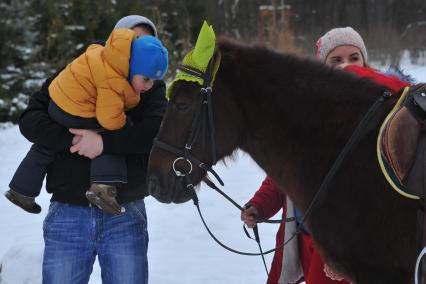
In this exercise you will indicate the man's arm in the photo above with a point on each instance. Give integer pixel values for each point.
(37, 126)
(147, 117)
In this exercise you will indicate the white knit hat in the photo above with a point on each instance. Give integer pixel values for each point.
(133, 20)
(337, 37)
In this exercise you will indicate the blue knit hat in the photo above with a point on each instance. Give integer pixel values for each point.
(148, 57)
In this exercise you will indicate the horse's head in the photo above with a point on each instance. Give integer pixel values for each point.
(193, 135)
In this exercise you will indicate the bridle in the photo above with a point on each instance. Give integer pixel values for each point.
(205, 115)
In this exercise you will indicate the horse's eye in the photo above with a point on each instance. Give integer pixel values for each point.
(181, 106)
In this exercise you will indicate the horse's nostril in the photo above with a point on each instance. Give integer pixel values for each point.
(158, 191)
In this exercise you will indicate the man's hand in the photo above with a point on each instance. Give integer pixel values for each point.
(76, 139)
(249, 216)
(89, 145)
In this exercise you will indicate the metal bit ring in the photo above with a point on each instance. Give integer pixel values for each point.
(179, 173)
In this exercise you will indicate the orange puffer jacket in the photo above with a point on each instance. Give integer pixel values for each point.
(95, 84)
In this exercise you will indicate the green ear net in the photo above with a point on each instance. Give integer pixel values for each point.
(199, 57)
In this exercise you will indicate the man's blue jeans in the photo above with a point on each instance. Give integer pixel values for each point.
(74, 235)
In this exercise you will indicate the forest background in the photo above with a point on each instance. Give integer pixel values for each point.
(39, 36)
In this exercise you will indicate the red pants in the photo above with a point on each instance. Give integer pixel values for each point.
(312, 264)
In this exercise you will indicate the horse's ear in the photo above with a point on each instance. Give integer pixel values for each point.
(205, 46)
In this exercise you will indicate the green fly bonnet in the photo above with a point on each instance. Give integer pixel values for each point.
(195, 64)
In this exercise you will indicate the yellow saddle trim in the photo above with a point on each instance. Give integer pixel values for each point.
(379, 149)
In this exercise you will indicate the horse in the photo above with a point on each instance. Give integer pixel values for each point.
(293, 116)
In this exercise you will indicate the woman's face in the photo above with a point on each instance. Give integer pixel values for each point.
(345, 55)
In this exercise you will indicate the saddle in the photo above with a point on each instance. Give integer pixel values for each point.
(401, 143)
(401, 149)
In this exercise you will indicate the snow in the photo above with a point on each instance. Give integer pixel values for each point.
(75, 28)
(33, 83)
(180, 249)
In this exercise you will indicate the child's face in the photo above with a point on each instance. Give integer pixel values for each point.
(141, 83)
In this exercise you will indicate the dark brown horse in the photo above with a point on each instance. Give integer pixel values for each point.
(294, 116)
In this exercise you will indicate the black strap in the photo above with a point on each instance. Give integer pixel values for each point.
(190, 157)
(211, 125)
(190, 70)
(227, 197)
(195, 125)
(257, 237)
(190, 187)
(195, 200)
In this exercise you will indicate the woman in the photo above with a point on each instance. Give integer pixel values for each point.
(299, 260)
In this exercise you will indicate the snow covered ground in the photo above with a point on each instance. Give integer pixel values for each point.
(180, 250)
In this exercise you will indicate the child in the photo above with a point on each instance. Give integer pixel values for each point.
(93, 92)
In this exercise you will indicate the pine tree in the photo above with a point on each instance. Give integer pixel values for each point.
(12, 51)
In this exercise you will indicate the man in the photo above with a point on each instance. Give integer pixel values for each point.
(74, 231)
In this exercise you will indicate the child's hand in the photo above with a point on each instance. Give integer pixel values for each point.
(90, 144)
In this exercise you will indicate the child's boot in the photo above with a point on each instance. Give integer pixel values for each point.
(25, 202)
(103, 196)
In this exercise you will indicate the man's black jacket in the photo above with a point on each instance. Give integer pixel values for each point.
(69, 175)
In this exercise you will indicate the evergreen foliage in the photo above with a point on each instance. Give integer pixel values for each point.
(39, 36)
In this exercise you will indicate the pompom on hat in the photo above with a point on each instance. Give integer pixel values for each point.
(337, 37)
(148, 57)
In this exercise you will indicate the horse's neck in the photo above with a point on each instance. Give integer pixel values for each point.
(294, 130)
(292, 145)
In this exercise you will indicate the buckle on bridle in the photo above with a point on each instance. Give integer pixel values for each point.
(179, 173)
(206, 90)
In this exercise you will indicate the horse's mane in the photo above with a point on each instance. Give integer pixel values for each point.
(295, 103)
(287, 70)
